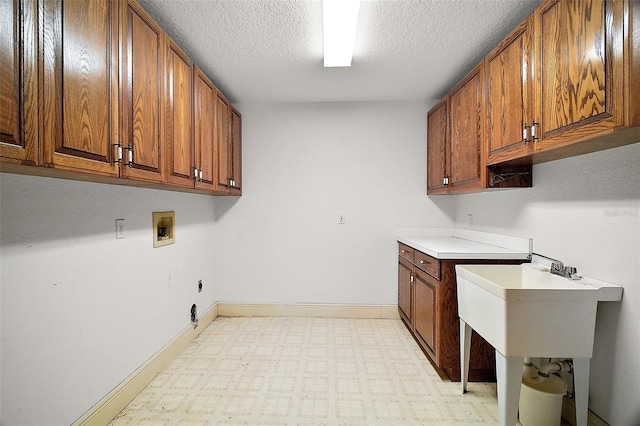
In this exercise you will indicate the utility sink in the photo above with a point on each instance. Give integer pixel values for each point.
(525, 311)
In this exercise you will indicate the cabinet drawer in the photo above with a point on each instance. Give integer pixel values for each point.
(406, 252)
(429, 264)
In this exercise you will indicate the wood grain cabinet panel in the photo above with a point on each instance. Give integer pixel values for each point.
(405, 290)
(437, 142)
(222, 176)
(236, 152)
(425, 318)
(510, 95)
(579, 69)
(18, 82)
(428, 264)
(80, 85)
(142, 88)
(406, 252)
(178, 131)
(467, 122)
(205, 95)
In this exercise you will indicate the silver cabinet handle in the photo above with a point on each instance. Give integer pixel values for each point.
(129, 155)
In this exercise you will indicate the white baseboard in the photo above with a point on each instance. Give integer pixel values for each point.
(226, 309)
(569, 414)
(115, 401)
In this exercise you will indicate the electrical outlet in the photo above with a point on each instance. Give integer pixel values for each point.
(119, 229)
(470, 219)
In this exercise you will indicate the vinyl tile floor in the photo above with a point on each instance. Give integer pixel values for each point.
(306, 371)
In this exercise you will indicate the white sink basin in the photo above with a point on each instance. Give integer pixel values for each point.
(534, 282)
(525, 311)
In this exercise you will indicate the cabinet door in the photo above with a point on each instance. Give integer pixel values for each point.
(179, 140)
(437, 128)
(580, 70)
(142, 88)
(405, 286)
(466, 113)
(509, 95)
(425, 310)
(236, 149)
(80, 85)
(205, 95)
(18, 82)
(221, 147)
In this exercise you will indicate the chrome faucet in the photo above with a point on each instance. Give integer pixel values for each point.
(558, 268)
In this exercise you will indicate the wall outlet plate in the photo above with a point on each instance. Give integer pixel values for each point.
(119, 229)
(164, 228)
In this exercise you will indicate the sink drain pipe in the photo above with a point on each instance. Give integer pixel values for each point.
(555, 366)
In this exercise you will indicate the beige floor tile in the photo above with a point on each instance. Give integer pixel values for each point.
(306, 371)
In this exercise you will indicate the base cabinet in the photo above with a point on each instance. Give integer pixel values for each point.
(428, 305)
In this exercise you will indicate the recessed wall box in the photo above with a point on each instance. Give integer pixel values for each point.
(164, 228)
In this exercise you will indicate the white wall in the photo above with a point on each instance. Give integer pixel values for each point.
(304, 165)
(80, 309)
(585, 211)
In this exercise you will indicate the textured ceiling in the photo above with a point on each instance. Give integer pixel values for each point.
(271, 50)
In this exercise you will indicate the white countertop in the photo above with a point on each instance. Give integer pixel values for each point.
(452, 243)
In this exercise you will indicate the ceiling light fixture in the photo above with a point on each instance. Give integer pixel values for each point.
(339, 21)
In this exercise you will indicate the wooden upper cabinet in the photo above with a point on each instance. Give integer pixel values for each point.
(205, 95)
(18, 82)
(222, 154)
(467, 122)
(437, 129)
(179, 141)
(142, 89)
(236, 152)
(579, 69)
(80, 85)
(510, 95)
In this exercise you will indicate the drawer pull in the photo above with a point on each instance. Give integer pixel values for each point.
(403, 251)
(423, 262)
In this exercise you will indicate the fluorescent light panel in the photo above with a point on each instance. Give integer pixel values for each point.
(340, 20)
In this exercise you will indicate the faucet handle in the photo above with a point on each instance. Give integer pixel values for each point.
(557, 266)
